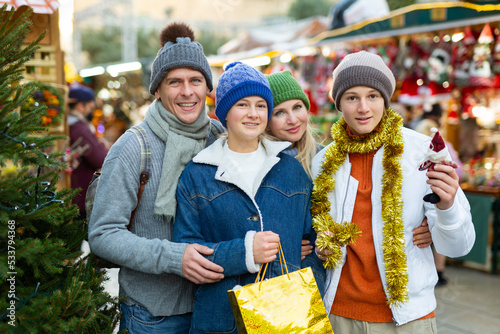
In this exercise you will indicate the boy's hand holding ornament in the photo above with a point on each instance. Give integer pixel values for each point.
(437, 154)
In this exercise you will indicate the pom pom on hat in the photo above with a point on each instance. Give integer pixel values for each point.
(178, 50)
(238, 81)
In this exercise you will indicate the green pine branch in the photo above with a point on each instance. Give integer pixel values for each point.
(46, 287)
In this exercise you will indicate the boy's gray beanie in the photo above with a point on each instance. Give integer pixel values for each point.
(363, 69)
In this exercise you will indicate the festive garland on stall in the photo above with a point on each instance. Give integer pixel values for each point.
(49, 96)
(388, 134)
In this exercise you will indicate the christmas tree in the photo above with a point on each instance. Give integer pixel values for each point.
(46, 287)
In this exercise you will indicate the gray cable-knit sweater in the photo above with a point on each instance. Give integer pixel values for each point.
(151, 264)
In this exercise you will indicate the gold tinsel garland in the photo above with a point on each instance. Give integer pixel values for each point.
(389, 134)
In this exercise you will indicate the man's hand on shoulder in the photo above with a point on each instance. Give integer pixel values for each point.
(197, 268)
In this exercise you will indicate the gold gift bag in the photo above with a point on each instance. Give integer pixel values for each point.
(290, 303)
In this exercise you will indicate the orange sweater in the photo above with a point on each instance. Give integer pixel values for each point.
(360, 294)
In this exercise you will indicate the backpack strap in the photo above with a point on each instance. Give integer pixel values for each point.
(145, 166)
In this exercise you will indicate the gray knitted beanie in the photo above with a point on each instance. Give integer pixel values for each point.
(183, 53)
(363, 69)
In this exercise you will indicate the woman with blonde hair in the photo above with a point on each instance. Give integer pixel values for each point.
(290, 118)
(228, 195)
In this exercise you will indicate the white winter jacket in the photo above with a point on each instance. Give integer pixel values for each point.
(452, 229)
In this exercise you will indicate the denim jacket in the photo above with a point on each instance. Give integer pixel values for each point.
(213, 210)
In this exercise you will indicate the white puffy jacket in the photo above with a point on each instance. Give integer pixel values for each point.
(452, 230)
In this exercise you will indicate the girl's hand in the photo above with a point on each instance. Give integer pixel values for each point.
(265, 246)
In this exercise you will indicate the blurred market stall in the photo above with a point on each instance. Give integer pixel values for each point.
(445, 53)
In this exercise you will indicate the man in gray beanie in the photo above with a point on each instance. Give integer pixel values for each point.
(156, 275)
(368, 197)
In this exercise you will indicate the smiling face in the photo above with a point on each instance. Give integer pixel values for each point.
(362, 108)
(245, 121)
(289, 121)
(183, 92)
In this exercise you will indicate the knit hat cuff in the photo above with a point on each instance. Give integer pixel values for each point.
(291, 95)
(241, 90)
(179, 64)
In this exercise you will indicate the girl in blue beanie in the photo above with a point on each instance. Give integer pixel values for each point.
(228, 199)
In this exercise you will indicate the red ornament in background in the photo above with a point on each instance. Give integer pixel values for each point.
(438, 92)
(480, 73)
(411, 92)
(469, 38)
(486, 36)
(452, 117)
(314, 107)
(462, 52)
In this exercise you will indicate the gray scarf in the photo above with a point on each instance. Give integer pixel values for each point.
(184, 142)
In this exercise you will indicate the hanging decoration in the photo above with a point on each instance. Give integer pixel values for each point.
(463, 51)
(480, 69)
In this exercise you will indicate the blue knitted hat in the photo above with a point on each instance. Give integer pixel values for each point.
(184, 53)
(238, 81)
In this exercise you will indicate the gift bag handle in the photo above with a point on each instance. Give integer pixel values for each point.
(281, 256)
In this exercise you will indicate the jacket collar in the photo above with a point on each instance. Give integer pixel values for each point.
(227, 172)
(214, 154)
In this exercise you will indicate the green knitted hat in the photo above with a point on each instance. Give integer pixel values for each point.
(285, 87)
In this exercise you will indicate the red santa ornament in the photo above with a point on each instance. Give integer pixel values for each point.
(412, 90)
(436, 154)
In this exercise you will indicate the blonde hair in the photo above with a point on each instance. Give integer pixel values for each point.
(306, 148)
